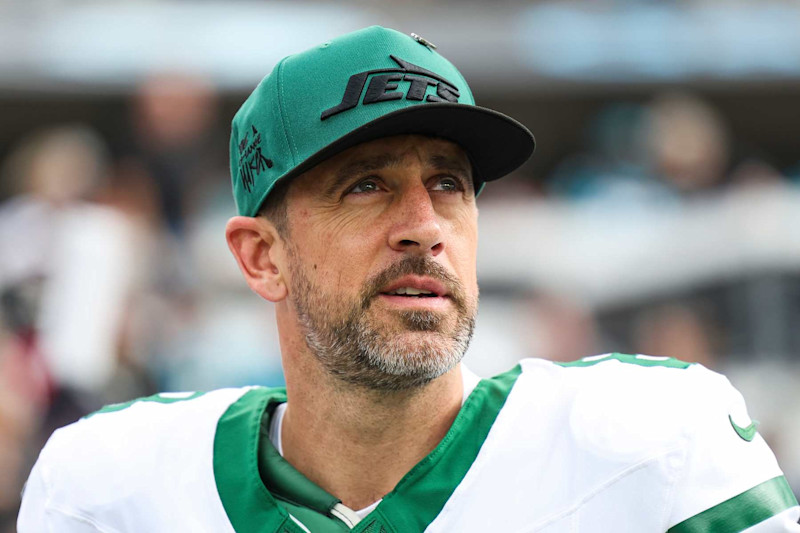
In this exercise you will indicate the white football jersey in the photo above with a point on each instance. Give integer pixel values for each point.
(611, 443)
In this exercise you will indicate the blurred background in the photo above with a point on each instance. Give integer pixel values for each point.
(660, 213)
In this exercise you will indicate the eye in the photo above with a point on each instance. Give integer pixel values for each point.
(448, 183)
(365, 186)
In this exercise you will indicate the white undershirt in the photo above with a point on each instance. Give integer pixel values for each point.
(469, 379)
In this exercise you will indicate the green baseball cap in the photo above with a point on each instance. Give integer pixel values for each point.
(372, 83)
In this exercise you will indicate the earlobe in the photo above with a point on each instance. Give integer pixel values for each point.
(255, 244)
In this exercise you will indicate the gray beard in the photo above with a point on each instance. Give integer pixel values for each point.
(359, 352)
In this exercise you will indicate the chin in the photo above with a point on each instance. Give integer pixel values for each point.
(425, 353)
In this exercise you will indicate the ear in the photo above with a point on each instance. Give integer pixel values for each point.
(256, 245)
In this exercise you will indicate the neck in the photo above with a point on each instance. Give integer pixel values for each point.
(355, 443)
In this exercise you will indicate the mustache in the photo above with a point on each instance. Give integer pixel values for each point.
(419, 266)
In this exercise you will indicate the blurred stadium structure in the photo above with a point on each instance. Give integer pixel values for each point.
(660, 214)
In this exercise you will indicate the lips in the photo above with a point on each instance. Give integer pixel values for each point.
(415, 282)
(415, 286)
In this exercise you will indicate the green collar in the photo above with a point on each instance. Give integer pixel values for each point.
(301, 497)
(282, 479)
(243, 454)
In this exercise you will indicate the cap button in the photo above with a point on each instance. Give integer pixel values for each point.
(423, 41)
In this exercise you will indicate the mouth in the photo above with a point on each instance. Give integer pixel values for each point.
(416, 287)
(415, 291)
(411, 292)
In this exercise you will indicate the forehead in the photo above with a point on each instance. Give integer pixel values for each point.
(427, 152)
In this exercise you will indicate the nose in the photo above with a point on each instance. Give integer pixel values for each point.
(416, 227)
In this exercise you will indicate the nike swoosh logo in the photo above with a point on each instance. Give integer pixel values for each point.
(747, 433)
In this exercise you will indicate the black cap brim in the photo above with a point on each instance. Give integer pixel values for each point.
(495, 143)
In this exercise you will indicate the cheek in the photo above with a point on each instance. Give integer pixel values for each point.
(341, 227)
(337, 249)
(464, 250)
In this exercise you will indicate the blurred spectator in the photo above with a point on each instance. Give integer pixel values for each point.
(67, 273)
(23, 396)
(559, 328)
(688, 143)
(677, 146)
(46, 174)
(176, 161)
(614, 165)
(677, 330)
(173, 119)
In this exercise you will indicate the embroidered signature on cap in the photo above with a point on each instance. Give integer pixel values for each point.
(251, 161)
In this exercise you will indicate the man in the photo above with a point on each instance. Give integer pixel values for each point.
(355, 170)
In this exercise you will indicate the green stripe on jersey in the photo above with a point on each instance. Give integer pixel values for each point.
(743, 511)
(162, 397)
(638, 359)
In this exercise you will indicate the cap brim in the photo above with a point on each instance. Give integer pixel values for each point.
(495, 143)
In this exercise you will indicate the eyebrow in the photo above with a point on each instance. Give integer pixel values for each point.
(445, 162)
(378, 162)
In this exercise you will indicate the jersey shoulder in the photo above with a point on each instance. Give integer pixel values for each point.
(124, 450)
(656, 379)
(621, 402)
(142, 418)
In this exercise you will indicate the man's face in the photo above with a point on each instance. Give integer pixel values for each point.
(382, 248)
